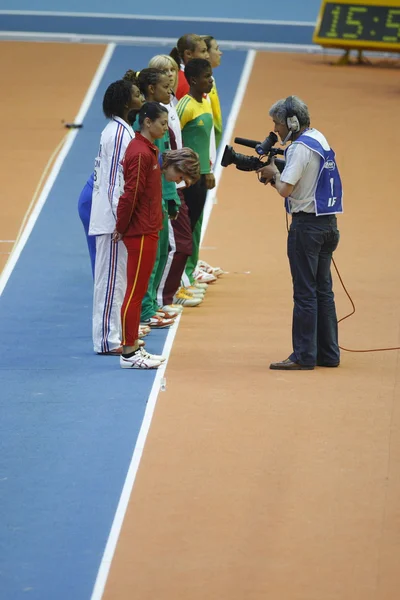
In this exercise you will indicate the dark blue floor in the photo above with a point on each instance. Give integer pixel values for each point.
(69, 419)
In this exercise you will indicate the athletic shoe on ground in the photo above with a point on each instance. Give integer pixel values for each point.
(172, 308)
(114, 352)
(144, 330)
(156, 322)
(217, 271)
(167, 315)
(140, 360)
(187, 299)
(203, 277)
(194, 291)
(158, 357)
(200, 286)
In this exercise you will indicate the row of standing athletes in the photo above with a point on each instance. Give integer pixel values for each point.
(135, 291)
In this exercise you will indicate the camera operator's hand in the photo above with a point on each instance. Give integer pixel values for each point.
(269, 172)
(210, 181)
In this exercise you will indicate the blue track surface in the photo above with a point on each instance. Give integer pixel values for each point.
(69, 419)
(289, 10)
(239, 32)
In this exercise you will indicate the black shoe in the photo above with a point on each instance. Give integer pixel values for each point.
(289, 365)
(333, 365)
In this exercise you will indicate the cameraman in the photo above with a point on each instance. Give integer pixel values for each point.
(311, 186)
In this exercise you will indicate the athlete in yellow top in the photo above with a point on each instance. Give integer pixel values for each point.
(215, 60)
(195, 115)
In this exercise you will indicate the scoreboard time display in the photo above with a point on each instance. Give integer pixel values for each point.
(367, 25)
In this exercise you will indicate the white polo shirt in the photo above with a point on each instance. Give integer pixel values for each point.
(302, 171)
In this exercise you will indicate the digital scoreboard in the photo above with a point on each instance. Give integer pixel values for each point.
(367, 25)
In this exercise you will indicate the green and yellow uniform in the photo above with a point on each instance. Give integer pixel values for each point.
(196, 120)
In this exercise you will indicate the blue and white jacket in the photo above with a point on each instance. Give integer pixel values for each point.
(106, 187)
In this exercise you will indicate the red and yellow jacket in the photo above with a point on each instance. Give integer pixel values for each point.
(139, 209)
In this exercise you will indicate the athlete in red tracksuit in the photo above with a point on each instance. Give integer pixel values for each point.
(140, 218)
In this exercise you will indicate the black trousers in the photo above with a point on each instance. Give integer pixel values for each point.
(311, 242)
(195, 198)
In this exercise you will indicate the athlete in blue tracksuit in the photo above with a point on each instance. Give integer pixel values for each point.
(84, 209)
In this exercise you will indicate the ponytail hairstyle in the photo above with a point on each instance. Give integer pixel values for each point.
(185, 160)
(147, 77)
(132, 77)
(116, 98)
(188, 41)
(152, 111)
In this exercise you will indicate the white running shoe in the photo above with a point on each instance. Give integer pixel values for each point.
(187, 299)
(203, 277)
(156, 322)
(193, 291)
(144, 330)
(204, 266)
(172, 308)
(158, 357)
(200, 286)
(140, 360)
(167, 315)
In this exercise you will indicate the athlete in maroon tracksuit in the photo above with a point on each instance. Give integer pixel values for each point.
(180, 248)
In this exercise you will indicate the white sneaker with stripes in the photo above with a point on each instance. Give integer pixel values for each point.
(140, 360)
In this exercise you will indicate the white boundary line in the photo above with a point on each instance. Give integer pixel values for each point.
(38, 36)
(116, 527)
(49, 13)
(230, 125)
(5, 275)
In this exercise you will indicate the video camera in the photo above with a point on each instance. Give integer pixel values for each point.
(252, 163)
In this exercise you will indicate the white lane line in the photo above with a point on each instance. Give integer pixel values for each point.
(38, 36)
(230, 125)
(116, 527)
(49, 13)
(6, 273)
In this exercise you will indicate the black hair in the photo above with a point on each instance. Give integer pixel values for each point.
(149, 76)
(131, 76)
(208, 39)
(151, 110)
(195, 67)
(116, 98)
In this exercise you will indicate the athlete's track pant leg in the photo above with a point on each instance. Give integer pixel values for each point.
(195, 198)
(109, 290)
(180, 247)
(142, 251)
(84, 209)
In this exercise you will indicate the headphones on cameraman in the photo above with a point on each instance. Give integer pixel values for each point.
(292, 121)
